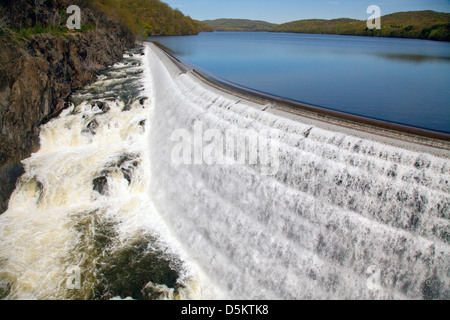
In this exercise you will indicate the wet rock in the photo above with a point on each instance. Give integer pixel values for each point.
(8, 177)
(100, 183)
(142, 124)
(127, 165)
(137, 271)
(91, 127)
(126, 108)
(142, 100)
(102, 106)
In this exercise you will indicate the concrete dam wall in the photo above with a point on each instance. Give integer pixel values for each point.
(338, 214)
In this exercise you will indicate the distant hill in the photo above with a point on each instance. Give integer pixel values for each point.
(427, 24)
(416, 24)
(239, 25)
(317, 26)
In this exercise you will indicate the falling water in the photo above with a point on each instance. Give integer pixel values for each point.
(81, 224)
(342, 217)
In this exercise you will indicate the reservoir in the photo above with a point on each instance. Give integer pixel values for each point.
(405, 81)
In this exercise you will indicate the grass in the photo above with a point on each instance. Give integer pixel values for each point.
(54, 30)
(17, 35)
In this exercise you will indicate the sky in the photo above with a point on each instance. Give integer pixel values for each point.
(280, 11)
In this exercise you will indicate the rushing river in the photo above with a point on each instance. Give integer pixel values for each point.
(400, 80)
(81, 224)
(103, 212)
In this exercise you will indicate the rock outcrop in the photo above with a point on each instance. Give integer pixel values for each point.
(39, 73)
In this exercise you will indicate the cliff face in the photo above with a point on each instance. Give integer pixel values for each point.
(38, 74)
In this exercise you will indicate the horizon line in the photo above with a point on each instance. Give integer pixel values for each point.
(259, 20)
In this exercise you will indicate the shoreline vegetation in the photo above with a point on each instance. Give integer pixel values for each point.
(23, 19)
(427, 25)
(150, 17)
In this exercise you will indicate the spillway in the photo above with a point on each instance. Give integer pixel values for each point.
(158, 184)
(343, 215)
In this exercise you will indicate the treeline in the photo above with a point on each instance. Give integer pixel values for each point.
(239, 25)
(427, 24)
(20, 20)
(151, 17)
(141, 17)
(417, 24)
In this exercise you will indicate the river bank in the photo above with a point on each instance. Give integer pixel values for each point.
(92, 231)
(38, 75)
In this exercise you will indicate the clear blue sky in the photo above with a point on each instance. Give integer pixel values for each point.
(279, 11)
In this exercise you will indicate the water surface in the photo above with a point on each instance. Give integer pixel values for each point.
(399, 80)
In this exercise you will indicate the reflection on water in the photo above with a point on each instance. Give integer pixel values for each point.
(412, 57)
(400, 80)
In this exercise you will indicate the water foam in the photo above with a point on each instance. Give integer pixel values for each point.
(344, 217)
(83, 202)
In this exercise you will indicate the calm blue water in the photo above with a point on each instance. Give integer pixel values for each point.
(400, 80)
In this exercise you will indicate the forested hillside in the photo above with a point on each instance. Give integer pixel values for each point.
(151, 17)
(239, 25)
(141, 17)
(417, 24)
(428, 24)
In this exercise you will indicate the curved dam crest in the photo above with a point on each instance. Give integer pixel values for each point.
(344, 217)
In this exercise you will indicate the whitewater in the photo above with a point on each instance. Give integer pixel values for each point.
(103, 212)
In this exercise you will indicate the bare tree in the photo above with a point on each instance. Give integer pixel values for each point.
(37, 7)
(3, 26)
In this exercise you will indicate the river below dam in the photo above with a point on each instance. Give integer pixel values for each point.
(106, 210)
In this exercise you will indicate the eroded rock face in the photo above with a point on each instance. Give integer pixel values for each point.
(38, 75)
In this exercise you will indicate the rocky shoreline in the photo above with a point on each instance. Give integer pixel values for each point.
(37, 76)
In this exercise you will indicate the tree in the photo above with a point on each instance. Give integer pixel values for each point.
(37, 7)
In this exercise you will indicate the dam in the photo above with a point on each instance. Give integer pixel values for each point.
(339, 211)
